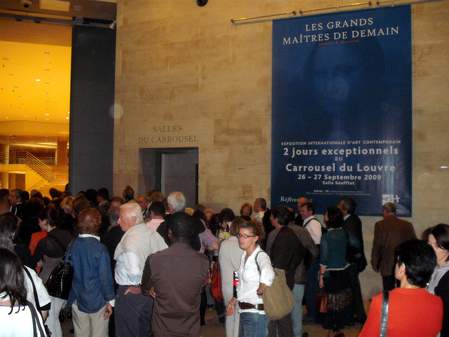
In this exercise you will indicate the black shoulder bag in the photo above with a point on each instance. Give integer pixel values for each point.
(384, 317)
(59, 282)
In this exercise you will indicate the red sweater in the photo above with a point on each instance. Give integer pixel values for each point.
(412, 313)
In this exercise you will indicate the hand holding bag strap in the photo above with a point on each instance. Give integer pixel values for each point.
(384, 317)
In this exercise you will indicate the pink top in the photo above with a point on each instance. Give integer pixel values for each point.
(154, 223)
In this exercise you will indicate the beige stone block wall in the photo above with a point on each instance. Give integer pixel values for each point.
(188, 67)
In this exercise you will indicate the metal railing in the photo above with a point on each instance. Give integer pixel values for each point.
(20, 157)
(39, 166)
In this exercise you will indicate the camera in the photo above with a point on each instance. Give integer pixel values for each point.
(26, 3)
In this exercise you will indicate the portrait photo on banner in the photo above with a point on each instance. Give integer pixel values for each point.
(342, 109)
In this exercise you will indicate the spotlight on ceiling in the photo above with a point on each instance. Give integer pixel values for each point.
(26, 3)
(201, 3)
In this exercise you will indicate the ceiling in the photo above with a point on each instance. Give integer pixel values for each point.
(35, 59)
(34, 72)
(91, 9)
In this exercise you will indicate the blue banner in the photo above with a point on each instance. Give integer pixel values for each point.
(342, 109)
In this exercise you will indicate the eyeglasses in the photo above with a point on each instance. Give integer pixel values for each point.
(244, 236)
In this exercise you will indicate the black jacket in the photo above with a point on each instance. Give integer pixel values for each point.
(287, 253)
(54, 244)
(356, 254)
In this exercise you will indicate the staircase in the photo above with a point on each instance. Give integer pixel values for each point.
(38, 175)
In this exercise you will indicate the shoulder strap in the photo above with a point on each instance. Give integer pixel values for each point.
(308, 221)
(33, 321)
(68, 252)
(384, 318)
(255, 259)
(36, 298)
(36, 321)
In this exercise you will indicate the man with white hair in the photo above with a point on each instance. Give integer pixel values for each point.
(132, 309)
(176, 202)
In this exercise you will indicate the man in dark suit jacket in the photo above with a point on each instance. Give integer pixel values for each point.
(355, 255)
(388, 234)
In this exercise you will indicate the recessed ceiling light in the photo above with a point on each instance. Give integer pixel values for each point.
(444, 167)
(37, 79)
(67, 118)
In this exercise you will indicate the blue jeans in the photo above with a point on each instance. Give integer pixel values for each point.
(252, 325)
(298, 292)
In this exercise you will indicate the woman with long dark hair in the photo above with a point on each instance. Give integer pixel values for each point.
(35, 290)
(18, 317)
(334, 273)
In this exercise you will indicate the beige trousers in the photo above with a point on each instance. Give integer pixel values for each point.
(89, 325)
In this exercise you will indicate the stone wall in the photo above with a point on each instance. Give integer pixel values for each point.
(186, 76)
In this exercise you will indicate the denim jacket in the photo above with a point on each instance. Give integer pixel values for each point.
(333, 249)
(92, 285)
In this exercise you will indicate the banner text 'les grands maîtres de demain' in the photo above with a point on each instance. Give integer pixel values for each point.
(342, 113)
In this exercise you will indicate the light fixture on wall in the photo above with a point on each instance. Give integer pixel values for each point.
(201, 3)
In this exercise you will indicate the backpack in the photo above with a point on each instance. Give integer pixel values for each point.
(278, 300)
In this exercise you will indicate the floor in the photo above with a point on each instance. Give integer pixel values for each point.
(214, 329)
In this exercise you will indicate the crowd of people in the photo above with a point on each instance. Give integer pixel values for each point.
(147, 265)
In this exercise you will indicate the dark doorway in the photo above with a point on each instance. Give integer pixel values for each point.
(168, 170)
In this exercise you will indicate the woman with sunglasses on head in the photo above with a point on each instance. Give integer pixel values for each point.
(411, 310)
(254, 277)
